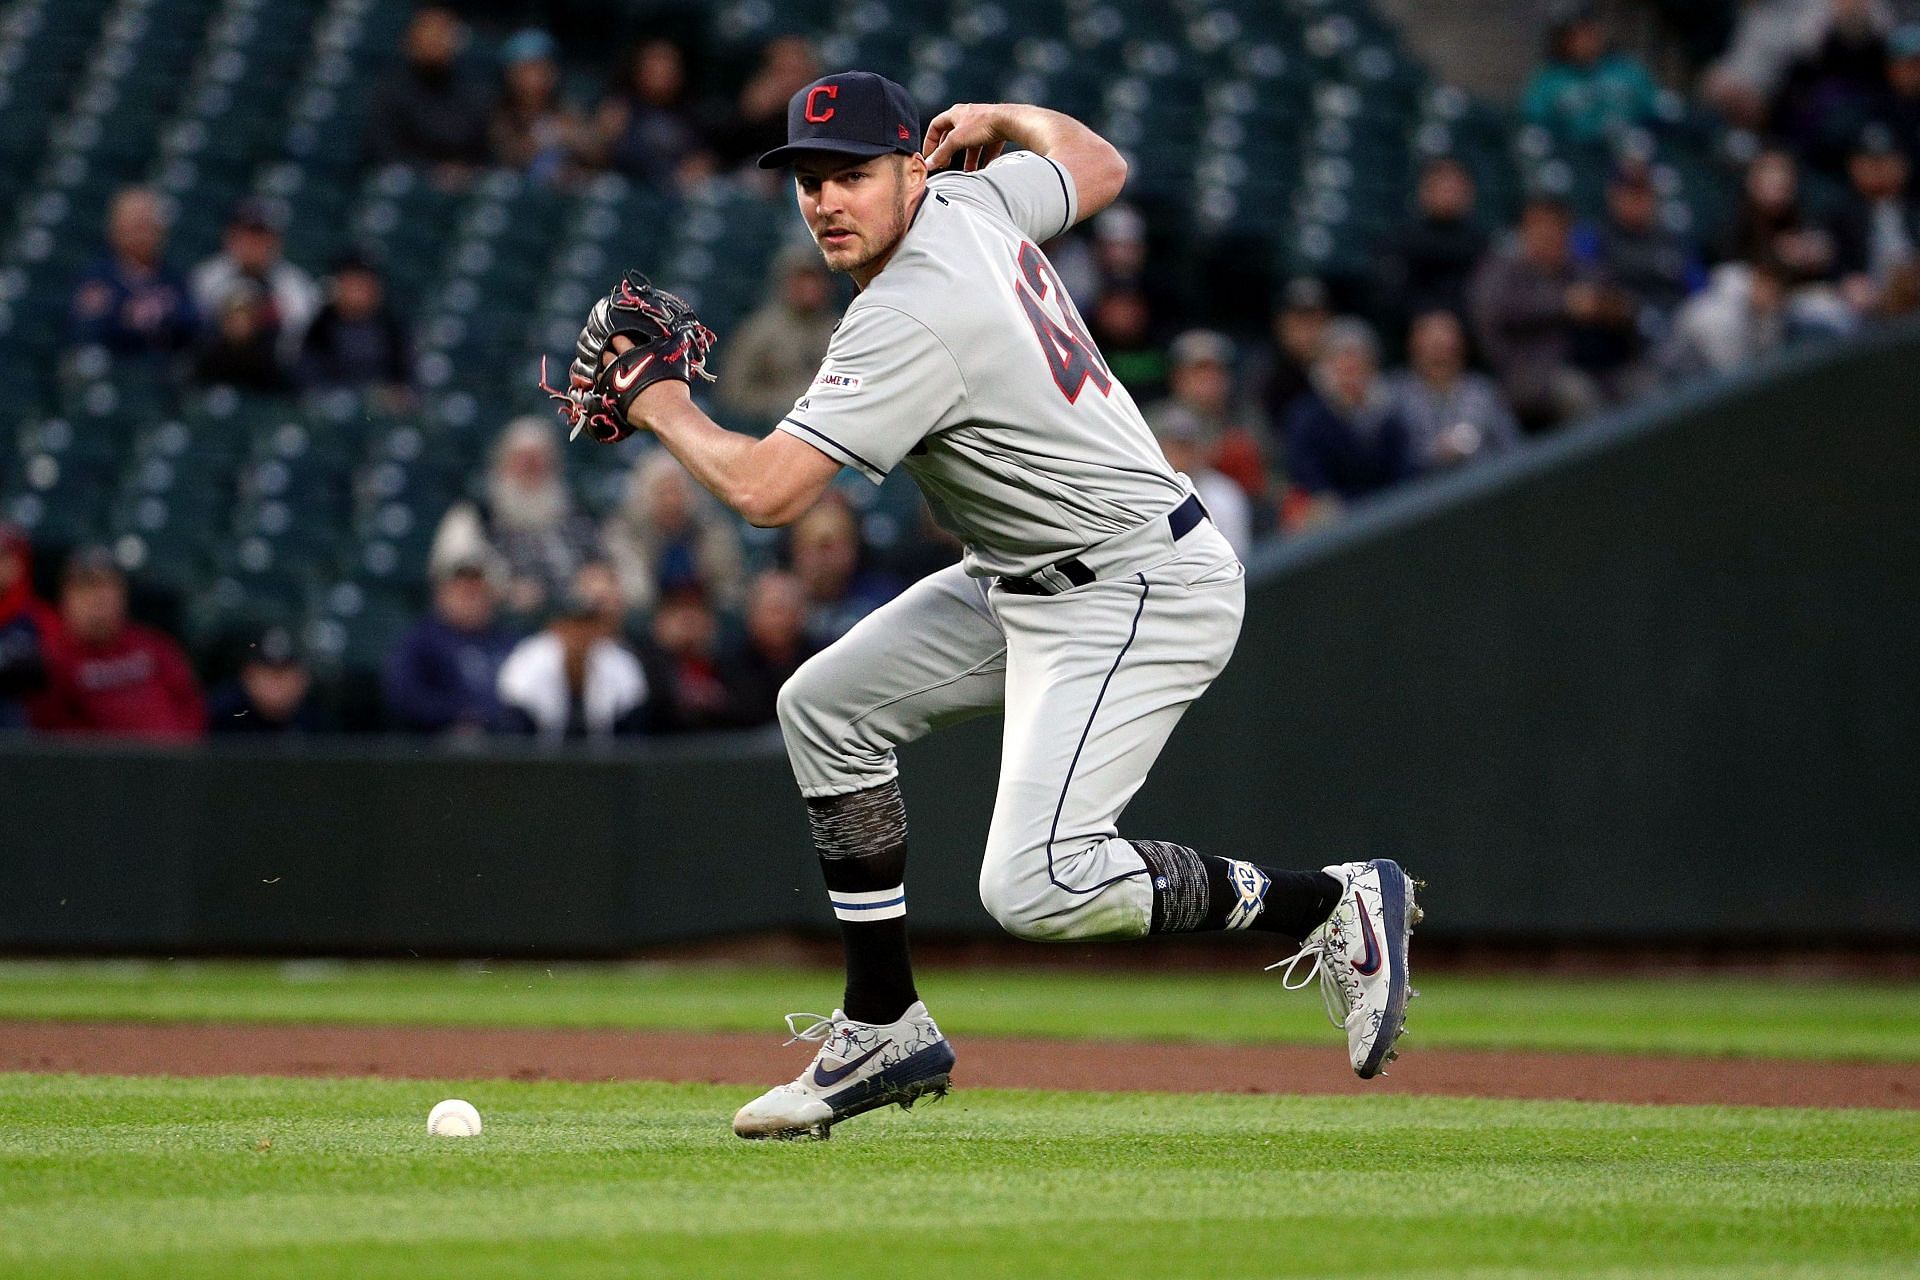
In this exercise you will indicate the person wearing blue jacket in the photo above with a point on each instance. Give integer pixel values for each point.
(130, 301)
(442, 676)
(1344, 437)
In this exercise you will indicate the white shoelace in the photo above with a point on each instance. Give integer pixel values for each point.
(819, 1029)
(1330, 993)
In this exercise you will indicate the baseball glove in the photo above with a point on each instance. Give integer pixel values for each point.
(668, 342)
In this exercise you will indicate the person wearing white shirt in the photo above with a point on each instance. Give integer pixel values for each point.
(573, 680)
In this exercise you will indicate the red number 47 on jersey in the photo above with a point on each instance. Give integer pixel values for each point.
(1069, 351)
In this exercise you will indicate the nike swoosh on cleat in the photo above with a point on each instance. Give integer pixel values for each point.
(1369, 962)
(826, 1077)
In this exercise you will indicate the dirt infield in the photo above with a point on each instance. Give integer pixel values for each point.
(747, 1060)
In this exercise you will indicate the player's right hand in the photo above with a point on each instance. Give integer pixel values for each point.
(970, 131)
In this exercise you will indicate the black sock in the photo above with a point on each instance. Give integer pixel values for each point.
(862, 842)
(1199, 893)
(879, 970)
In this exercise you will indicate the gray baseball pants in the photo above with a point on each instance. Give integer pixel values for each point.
(1092, 681)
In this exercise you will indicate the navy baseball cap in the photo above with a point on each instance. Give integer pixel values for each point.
(855, 113)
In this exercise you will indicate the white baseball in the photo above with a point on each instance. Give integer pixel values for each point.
(453, 1119)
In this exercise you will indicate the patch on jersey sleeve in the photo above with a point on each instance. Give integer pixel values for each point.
(830, 380)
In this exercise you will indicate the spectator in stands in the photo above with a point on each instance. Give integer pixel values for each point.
(682, 665)
(1344, 438)
(1772, 221)
(1121, 321)
(645, 127)
(1876, 231)
(598, 583)
(1655, 267)
(1200, 381)
(779, 348)
(250, 255)
(1119, 261)
(1071, 253)
(670, 535)
(1285, 368)
(534, 129)
(241, 351)
(356, 341)
(1832, 90)
(1767, 39)
(272, 694)
(426, 112)
(442, 677)
(1531, 302)
(759, 119)
(1120, 244)
(573, 680)
(1183, 438)
(1452, 414)
(1703, 28)
(1747, 312)
(1429, 262)
(1587, 90)
(774, 645)
(130, 301)
(1900, 110)
(1900, 297)
(112, 675)
(525, 520)
(29, 631)
(823, 548)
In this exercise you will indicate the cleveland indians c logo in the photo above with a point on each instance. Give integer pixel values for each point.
(814, 114)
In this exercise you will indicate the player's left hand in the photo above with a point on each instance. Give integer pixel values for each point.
(968, 130)
(634, 337)
(655, 395)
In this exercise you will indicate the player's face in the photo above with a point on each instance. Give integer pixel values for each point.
(857, 213)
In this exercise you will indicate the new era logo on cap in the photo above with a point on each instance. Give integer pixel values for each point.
(854, 113)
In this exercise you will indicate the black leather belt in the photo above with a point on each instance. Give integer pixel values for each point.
(1180, 522)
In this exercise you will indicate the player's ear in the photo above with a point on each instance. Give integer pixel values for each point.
(915, 171)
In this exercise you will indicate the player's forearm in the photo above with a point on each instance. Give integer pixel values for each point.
(735, 468)
(1099, 170)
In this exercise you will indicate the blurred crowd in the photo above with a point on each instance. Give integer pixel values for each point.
(1475, 333)
(538, 623)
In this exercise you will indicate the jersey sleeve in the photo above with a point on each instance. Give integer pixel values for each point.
(886, 382)
(1029, 190)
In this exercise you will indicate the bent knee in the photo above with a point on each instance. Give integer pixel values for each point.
(803, 698)
(1020, 911)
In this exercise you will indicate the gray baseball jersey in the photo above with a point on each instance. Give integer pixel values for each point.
(966, 361)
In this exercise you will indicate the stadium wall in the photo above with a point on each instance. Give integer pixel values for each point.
(1654, 680)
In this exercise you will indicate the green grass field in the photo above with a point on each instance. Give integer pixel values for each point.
(178, 1179)
(241, 1177)
(1756, 1018)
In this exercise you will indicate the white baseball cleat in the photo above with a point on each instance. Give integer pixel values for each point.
(861, 1066)
(1360, 953)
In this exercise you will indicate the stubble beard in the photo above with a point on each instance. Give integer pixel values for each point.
(894, 233)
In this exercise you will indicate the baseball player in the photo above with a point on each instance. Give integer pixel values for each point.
(1095, 600)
